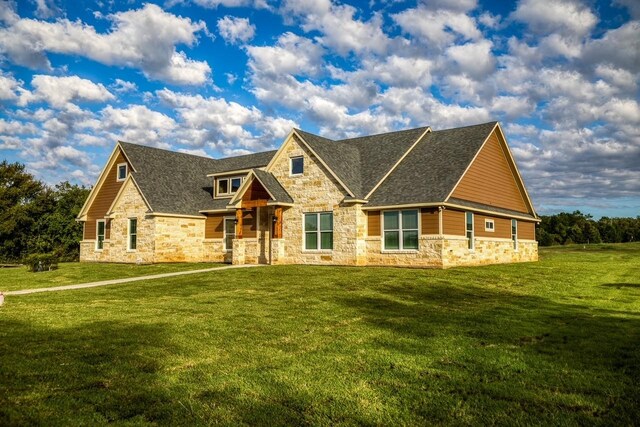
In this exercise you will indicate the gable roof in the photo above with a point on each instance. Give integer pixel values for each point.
(363, 161)
(433, 168)
(272, 185)
(177, 183)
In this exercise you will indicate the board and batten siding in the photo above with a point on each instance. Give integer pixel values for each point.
(214, 225)
(526, 230)
(490, 180)
(103, 200)
(453, 222)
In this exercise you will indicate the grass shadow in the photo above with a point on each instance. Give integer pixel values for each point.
(621, 285)
(97, 372)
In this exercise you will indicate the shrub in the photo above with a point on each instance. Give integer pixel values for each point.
(41, 262)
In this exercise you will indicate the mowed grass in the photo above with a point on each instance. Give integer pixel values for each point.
(72, 273)
(554, 342)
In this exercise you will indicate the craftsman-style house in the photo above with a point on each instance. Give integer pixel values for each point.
(410, 198)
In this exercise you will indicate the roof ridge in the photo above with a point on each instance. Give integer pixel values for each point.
(492, 122)
(192, 155)
(346, 140)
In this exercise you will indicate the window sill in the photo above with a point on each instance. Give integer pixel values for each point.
(400, 251)
(131, 250)
(317, 251)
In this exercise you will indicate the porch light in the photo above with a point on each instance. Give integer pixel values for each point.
(274, 219)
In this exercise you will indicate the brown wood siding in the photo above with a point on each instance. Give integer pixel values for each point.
(453, 222)
(255, 192)
(490, 180)
(104, 198)
(502, 227)
(373, 223)
(249, 230)
(430, 223)
(526, 230)
(214, 226)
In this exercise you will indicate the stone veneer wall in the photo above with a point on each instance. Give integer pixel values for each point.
(317, 191)
(178, 239)
(130, 205)
(487, 251)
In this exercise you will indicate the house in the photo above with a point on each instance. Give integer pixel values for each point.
(416, 197)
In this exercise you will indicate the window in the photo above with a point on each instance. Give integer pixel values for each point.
(514, 233)
(228, 186)
(470, 236)
(100, 234)
(401, 230)
(318, 231)
(132, 242)
(229, 233)
(297, 165)
(122, 172)
(489, 225)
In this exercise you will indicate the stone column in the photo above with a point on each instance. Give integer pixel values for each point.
(238, 255)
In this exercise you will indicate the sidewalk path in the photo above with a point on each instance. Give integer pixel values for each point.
(128, 279)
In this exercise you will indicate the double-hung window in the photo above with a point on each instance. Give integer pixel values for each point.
(470, 236)
(132, 241)
(100, 225)
(228, 186)
(229, 233)
(318, 231)
(514, 233)
(401, 230)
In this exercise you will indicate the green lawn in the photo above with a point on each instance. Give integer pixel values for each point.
(554, 342)
(72, 273)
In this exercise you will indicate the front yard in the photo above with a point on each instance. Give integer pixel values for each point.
(554, 342)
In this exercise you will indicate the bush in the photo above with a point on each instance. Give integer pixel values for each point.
(41, 262)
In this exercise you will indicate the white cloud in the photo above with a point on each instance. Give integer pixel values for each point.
(145, 38)
(46, 9)
(292, 55)
(10, 88)
(236, 30)
(619, 47)
(341, 30)
(437, 28)
(474, 58)
(58, 91)
(137, 124)
(568, 17)
(122, 86)
(213, 4)
(617, 77)
(13, 127)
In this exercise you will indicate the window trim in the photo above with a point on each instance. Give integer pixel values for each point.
(104, 231)
(400, 230)
(229, 179)
(318, 232)
(224, 233)
(126, 172)
(471, 240)
(514, 236)
(291, 159)
(491, 229)
(129, 249)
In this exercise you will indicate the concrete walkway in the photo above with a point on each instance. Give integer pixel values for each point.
(126, 280)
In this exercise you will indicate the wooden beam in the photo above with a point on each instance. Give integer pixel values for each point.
(254, 203)
(277, 232)
(238, 223)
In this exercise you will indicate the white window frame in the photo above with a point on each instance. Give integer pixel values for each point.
(318, 232)
(492, 228)
(291, 159)
(224, 232)
(129, 249)
(471, 237)
(229, 179)
(400, 230)
(514, 235)
(104, 231)
(126, 172)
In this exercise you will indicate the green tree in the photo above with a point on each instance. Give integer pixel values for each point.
(21, 199)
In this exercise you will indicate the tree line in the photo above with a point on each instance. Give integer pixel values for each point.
(577, 227)
(36, 218)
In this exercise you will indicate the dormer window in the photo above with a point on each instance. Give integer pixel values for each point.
(122, 172)
(297, 165)
(228, 186)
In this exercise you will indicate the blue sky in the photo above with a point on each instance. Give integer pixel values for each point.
(225, 77)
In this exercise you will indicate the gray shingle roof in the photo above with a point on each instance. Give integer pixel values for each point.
(488, 207)
(362, 162)
(432, 169)
(177, 183)
(272, 185)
